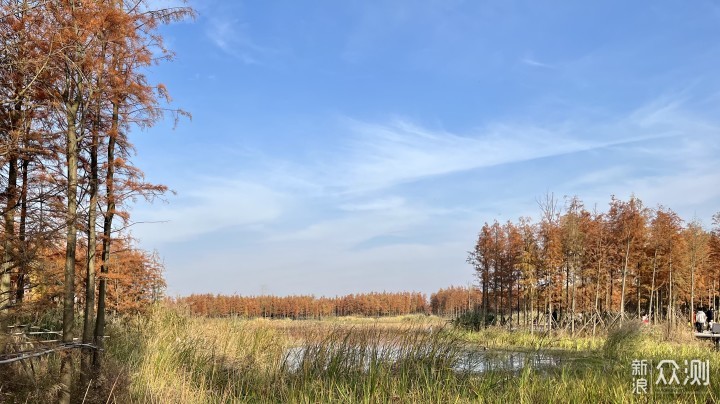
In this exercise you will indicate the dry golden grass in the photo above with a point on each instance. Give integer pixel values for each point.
(201, 360)
(168, 357)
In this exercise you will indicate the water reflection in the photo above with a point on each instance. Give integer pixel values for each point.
(477, 361)
(468, 360)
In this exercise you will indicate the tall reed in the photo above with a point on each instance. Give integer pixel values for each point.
(172, 357)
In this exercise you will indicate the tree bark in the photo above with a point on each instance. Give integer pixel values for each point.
(693, 253)
(572, 310)
(20, 285)
(89, 314)
(597, 296)
(670, 309)
(624, 277)
(9, 227)
(652, 289)
(107, 232)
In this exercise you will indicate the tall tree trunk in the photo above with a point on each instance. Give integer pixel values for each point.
(495, 295)
(652, 288)
(9, 214)
(638, 296)
(70, 247)
(670, 309)
(566, 304)
(532, 310)
(107, 232)
(692, 280)
(609, 291)
(572, 304)
(624, 277)
(597, 296)
(518, 302)
(89, 315)
(501, 309)
(9, 227)
(20, 285)
(485, 297)
(712, 296)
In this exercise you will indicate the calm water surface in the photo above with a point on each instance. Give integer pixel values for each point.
(469, 360)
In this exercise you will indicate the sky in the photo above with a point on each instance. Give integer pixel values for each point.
(352, 146)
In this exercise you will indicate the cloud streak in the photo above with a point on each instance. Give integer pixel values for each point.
(212, 206)
(359, 180)
(233, 38)
(382, 156)
(534, 63)
(350, 214)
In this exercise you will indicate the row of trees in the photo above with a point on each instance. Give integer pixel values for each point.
(134, 281)
(575, 263)
(72, 84)
(449, 302)
(455, 301)
(300, 307)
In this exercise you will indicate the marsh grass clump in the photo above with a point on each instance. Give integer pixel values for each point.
(503, 338)
(169, 356)
(375, 364)
(472, 320)
(357, 353)
(360, 349)
(177, 358)
(623, 340)
(190, 359)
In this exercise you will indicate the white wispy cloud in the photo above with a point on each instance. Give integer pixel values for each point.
(349, 195)
(344, 232)
(687, 191)
(377, 204)
(233, 38)
(211, 205)
(384, 155)
(535, 63)
(604, 175)
(300, 268)
(676, 165)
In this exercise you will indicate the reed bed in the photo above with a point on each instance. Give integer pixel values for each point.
(167, 356)
(178, 358)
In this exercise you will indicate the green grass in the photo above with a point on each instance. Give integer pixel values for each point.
(175, 358)
(498, 337)
(171, 357)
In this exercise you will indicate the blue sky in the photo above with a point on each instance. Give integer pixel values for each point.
(348, 146)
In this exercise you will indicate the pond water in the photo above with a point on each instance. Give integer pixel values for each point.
(467, 360)
(478, 361)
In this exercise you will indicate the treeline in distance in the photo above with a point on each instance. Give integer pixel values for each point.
(452, 301)
(575, 263)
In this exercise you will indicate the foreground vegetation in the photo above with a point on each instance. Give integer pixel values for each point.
(173, 357)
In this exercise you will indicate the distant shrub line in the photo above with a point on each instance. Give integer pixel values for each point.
(447, 302)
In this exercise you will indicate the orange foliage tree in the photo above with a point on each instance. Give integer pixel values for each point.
(303, 307)
(643, 261)
(72, 83)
